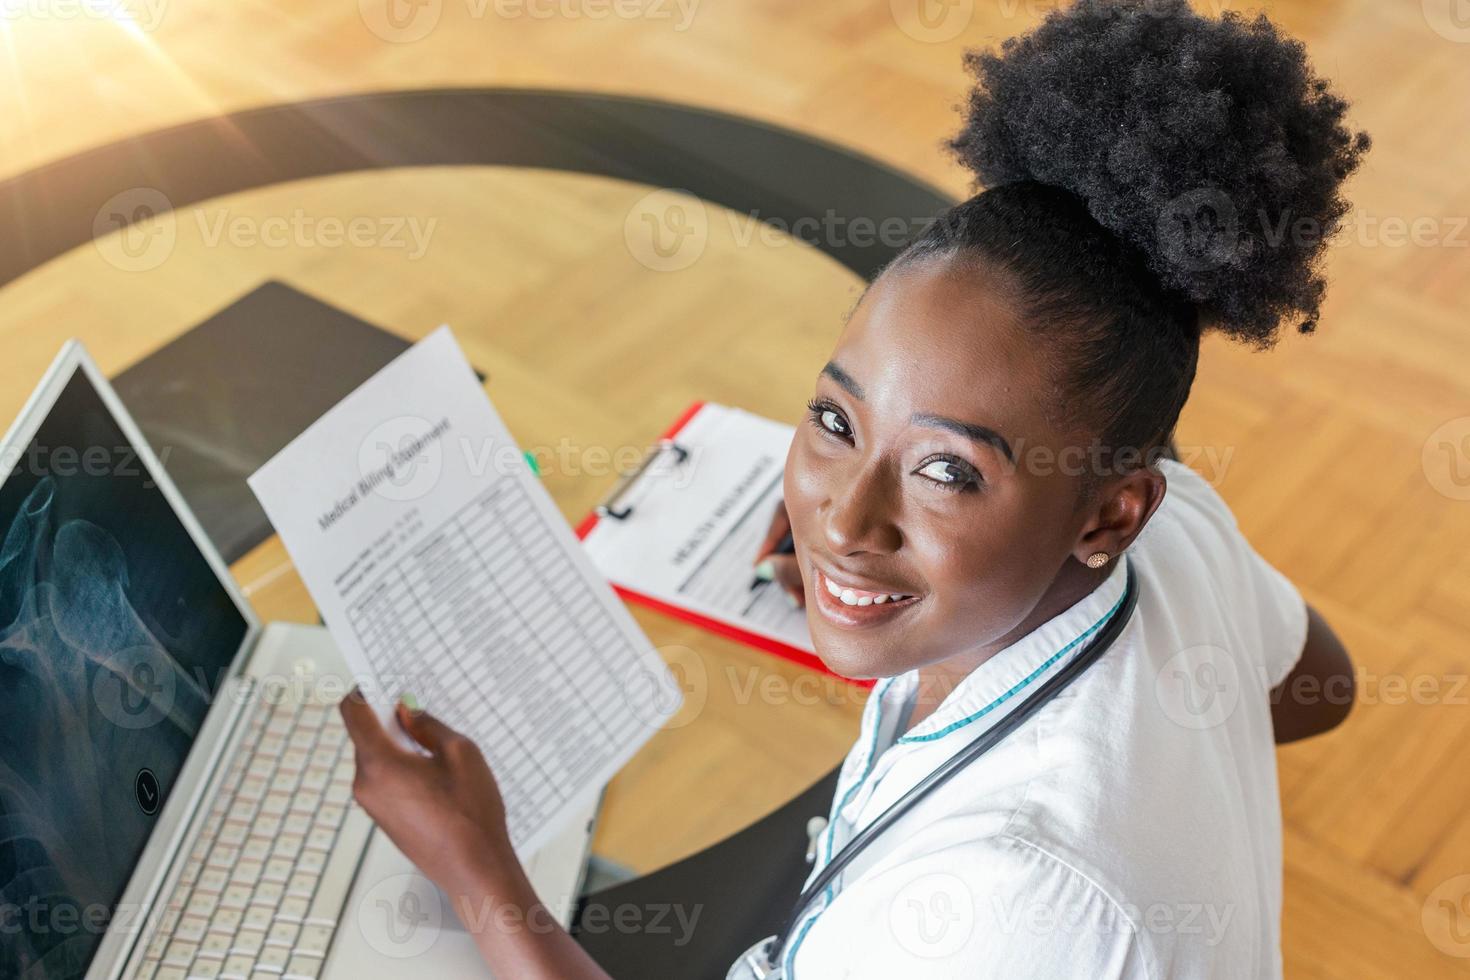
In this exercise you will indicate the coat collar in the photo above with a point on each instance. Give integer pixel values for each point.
(1002, 682)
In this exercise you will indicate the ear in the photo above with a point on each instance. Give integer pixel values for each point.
(1122, 508)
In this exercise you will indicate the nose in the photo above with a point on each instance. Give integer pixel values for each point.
(859, 516)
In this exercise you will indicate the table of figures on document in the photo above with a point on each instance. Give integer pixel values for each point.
(722, 577)
(427, 629)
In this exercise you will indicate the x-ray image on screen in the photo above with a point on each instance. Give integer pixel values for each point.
(114, 635)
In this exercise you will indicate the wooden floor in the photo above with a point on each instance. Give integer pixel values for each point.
(1346, 456)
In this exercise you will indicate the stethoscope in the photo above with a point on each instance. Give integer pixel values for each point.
(762, 961)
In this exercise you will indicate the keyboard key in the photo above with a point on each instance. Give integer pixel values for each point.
(282, 934)
(237, 967)
(273, 957)
(216, 945)
(288, 845)
(314, 939)
(331, 891)
(277, 869)
(247, 872)
(226, 920)
(292, 909)
(204, 970)
(248, 942)
(257, 917)
(180, 953)
(268, 893)
(191, 929)
(303, 968)
(302, 883)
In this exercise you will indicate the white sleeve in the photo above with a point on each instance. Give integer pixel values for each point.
(1251, 585)
(996, 909)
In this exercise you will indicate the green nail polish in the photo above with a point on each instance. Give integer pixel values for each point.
(766, 570)
(409, 701)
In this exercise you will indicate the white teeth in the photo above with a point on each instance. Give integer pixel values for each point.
(851, 598)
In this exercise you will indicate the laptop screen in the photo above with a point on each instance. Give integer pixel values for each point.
(114, 635)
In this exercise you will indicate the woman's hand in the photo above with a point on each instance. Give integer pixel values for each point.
(785, 570)
(443, 810)
(445, 813)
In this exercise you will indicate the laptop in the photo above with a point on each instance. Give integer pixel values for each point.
(175, 782)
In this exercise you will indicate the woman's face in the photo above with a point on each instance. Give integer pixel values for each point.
(916, 490)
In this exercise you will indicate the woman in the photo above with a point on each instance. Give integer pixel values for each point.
(982, 469)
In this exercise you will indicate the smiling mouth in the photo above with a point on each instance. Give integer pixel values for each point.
(848, 606)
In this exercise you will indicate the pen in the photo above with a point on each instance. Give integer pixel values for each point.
(763, 571)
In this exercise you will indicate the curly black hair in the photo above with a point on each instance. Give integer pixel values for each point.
(1151, 173)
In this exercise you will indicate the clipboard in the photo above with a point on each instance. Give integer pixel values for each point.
(648, 511)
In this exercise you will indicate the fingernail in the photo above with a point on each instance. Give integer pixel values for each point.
(766, 570)
(795, 602)
(409, 701)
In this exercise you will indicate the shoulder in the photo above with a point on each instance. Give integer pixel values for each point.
(997, 906)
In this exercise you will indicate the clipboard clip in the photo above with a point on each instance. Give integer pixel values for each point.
(663, 449)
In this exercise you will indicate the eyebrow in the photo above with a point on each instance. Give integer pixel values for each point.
(843, 379)
(971, 431)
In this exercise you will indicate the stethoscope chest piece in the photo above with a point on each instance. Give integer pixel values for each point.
(756, 963)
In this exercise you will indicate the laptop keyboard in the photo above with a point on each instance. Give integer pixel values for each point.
(260, 896)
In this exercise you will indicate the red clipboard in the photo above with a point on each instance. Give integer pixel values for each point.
(765, 643)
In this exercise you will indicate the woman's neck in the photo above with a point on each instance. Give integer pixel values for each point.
(1073, 583)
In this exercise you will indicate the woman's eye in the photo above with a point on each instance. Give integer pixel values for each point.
(827, 418)
(833, 422)
(950, 474)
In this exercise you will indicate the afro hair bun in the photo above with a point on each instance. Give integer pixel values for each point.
(1209, 146)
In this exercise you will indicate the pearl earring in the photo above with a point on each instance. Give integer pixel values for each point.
(1097, 559)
